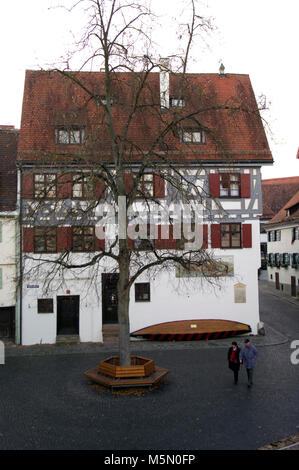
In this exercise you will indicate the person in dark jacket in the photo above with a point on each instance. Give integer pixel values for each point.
(234, 360)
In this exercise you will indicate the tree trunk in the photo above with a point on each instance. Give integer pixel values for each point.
(123, 305)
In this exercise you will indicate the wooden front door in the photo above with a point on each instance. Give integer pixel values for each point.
(277, 280)
(68, 314)
(109, 297)
(293, 286)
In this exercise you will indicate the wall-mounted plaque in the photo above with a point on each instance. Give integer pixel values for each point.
(240, 293)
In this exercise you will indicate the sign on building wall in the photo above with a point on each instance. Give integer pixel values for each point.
(218, 267)
(240, 293)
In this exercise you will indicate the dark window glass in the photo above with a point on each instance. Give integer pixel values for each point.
(83, 238)
(45, 240)
(44, 305)
(142, 292)
(144, 244)
(230, 235)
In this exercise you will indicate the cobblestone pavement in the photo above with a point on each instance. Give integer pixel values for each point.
(47, 403)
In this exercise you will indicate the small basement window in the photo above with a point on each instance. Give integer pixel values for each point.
(142, 292)
(44, 305)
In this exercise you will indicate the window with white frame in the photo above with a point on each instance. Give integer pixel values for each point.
(229, 185)
(83, 186)
(193, 136)
(146, 185)
(277, 235)
(69, 135)
(45, 186)
(177, 102)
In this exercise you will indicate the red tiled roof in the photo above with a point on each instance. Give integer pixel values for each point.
(276, 193)
(8, 171)
(286, 180)
(51, 99)
(281, 216)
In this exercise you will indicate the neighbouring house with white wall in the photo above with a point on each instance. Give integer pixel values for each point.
(276, 192)
(57, 119)
(283, 248)
(9, 235)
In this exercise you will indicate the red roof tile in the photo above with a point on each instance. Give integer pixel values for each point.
(8, 171)
(281, 216)
(276, 192)
(51, 99)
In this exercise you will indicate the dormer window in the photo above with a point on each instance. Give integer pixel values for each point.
(69, 135)
(177, 102)
(193, 136)
(103, 100)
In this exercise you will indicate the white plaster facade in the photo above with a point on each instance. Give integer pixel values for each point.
(172, 298)
(284, 245)
(8, 261)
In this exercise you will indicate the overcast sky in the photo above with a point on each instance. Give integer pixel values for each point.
(256, 37)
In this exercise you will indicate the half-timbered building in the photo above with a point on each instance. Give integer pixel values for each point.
(218, 156)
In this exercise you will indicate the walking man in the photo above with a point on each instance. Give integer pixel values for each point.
(248, 355)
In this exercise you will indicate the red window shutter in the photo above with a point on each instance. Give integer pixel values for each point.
(28, 240)
(214, 185)
(247, 235)
(64, 186)
(159, 185)
(128, 177)
(99, 188)
(205, 237)
(64, 239)
(245, 185)
(131, 243)
(27, 186)
(215, 236)
(99, 243)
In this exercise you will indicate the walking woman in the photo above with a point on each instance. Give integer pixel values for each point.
(233, 360)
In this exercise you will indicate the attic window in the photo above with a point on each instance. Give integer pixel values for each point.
(69, 135)
(193, 136)
(103, 100)
(176, 102)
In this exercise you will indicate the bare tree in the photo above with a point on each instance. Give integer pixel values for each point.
(135, 131)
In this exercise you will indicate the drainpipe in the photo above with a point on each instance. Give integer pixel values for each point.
(18, 248)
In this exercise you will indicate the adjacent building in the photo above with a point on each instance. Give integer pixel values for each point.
(283, 248)
(9, 234)
(276, 192)
(64, 140)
